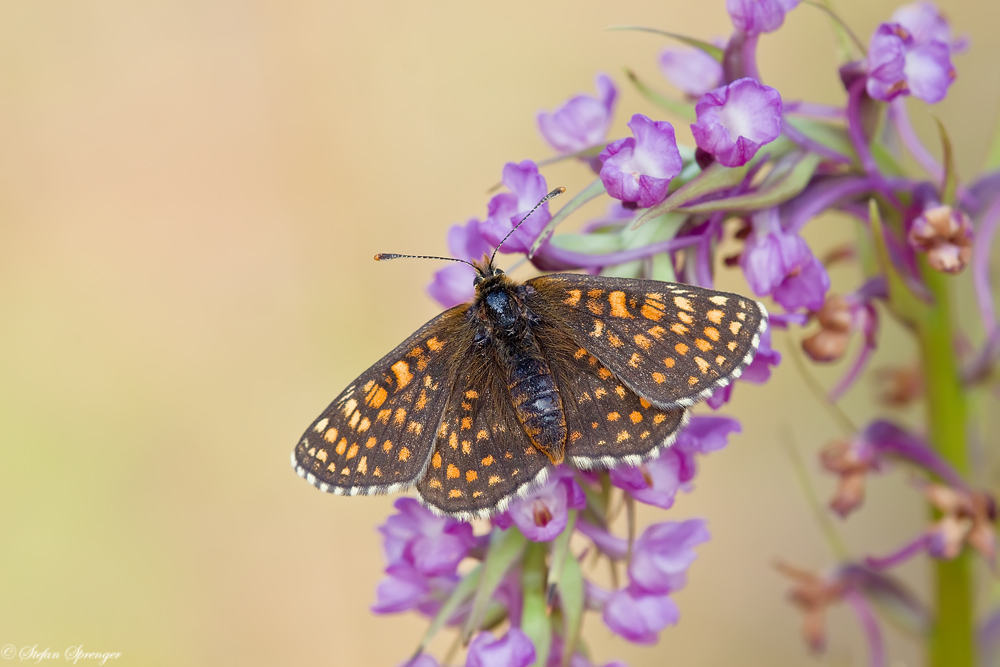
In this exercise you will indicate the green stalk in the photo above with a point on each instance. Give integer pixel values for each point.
(952, 642)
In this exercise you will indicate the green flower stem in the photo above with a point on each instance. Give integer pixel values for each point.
(952, 642)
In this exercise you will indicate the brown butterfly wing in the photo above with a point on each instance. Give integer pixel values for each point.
(671, 344)
(607, 423)
(377, 436)
(483, 458)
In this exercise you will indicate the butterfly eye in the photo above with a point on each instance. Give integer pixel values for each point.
(497, 272)
(478, 280)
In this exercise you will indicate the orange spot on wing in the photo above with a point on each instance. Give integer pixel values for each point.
(580, 354)
(735, 327)
(715, 316)
(658, 418)
(403, 375)
(702, 364)
(669, 362)
(636, 417)
(436, 460)
(330, 436)
(435, 484)
(454, 493)
(678, 328)
(364, 425)
(681, 348)
(651, 313)
(434, 345)
(595, 306)
(682, 303)
(471, 476)
(466, 422)
(495, 479)
(720, 360)
(732, 346)
(387, 445)
(712, 333)
(488, 461)
(573, 298)
(341, 447)
(684, 317)
(352, 452)
(466, 447)
(404, 453)
(659, 378)
(657, 332)
(604, 373)
(692, 380)
(615, 340)
(482, 435)
(400, 417)
(618, 308)
(642, 341)
(598, 329)
(613, 416)
(644, 403)
(422, 400)
(703, 345)
(383, 416)
(620, 390)
(634, 360)
(363, 465)
(595, 293)
(453, 472)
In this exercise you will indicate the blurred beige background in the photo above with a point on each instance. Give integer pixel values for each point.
(190, 196)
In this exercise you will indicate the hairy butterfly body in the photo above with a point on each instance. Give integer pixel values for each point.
(477, 405)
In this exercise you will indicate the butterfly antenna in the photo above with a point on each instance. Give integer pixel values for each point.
(555, 193)
(386, 256)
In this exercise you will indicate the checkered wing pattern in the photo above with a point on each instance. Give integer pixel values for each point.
(377, 436)
(483, 459)
(608, 424)
(670, 343)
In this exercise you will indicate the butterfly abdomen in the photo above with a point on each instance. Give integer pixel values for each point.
(536, 400)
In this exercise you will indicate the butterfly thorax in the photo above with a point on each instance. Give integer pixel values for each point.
(505, 332)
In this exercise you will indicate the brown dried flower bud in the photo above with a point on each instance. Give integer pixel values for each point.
(898, 386)
(836, 320)
(945, 235)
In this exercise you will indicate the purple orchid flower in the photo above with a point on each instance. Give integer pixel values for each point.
(662, 555)
(542, 514)
(925, 23)
(583, 121)
(514, 649)
(432, 544)
(577, 659)
(657, 481)
(782, 265)
(639, 169)
(527, 187)
(759, 370)
(758, 16)
(734, 121)
(691, 70)
(639, 616)
(405, 588)
(900, 65)
(453, 284)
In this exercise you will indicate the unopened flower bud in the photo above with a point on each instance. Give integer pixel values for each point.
(898, 386)
(836, 318)
(945, 235)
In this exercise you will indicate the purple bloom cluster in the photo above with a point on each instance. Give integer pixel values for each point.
(771, 167)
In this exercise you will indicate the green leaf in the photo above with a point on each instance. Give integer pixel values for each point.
(535, 620)
(710, 49)
(716, 177)
(950, 185)
(591, 244)
(832, 136)
(506, 547)
(794, 183)
(684, 110)
(993, 157)
(593, 190)
(466, 587)
(905, 304)
(571, 601)
(631, 269)
(560, 548)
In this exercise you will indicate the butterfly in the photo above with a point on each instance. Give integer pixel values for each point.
(476, 407)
